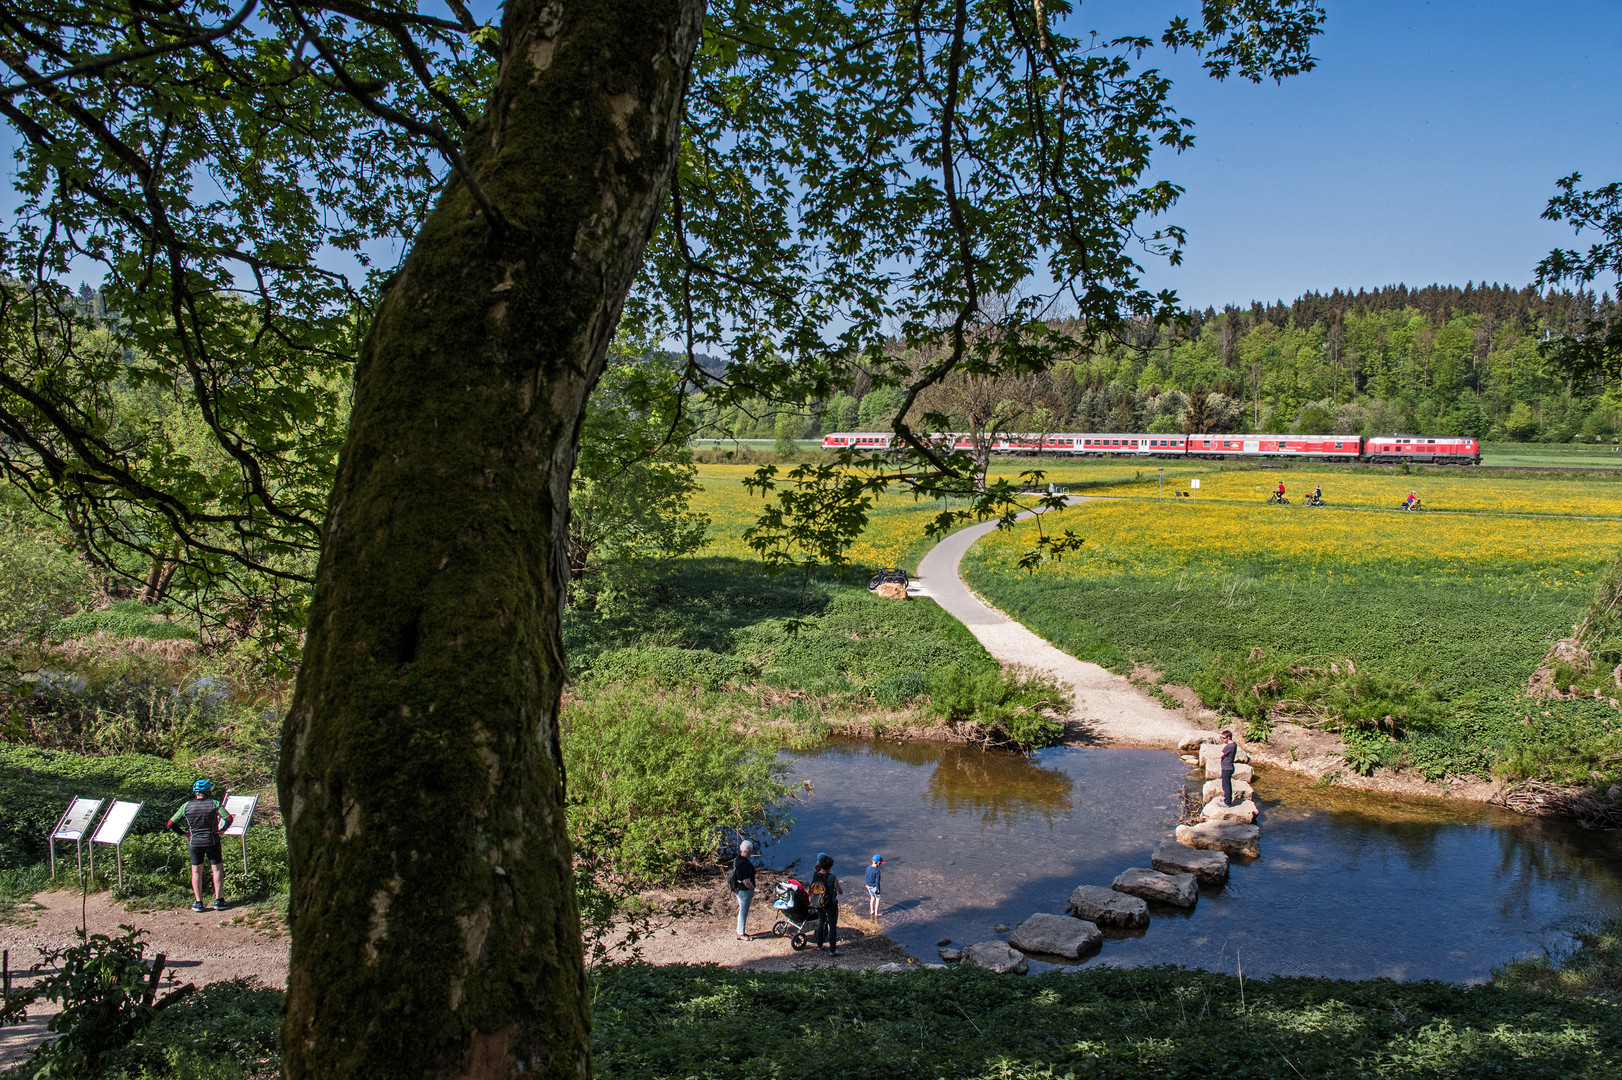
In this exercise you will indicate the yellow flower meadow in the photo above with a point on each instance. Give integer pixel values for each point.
(1372, 488)
(1192, 539)
(895, 531)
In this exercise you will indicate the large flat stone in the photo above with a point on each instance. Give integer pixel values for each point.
(1233, 838)
(1213, 789)
(1178, 890)
(1055, 935)
(1106, 907)
(996, 956)
(1213, 771)
(1217, 810)
(1194, 740)
(1208, 867)
(1213, 752)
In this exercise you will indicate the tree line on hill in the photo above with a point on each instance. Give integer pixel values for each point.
(1440, 359)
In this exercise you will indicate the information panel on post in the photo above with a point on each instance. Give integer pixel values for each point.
(241, 808)
(73, 825)
(114, 827)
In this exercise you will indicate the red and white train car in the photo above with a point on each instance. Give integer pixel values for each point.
(857, 440)
(1317, 447)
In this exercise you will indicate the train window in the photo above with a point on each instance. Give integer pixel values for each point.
(1337, 446)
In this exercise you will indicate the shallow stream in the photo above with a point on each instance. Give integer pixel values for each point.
(1350, 884)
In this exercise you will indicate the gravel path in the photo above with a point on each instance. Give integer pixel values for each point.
(198, 948)
(1108, 711)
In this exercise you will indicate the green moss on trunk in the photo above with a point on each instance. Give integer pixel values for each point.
(433, 918)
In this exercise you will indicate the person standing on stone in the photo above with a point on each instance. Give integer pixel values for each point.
(741, 880)
(825, 890)
(1230, 749)
(872, 879)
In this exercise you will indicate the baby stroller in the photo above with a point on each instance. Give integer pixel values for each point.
(794, 911)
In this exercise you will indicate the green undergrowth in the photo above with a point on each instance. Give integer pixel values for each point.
(37, 785)
(1159, 1022)
(813, 654)
(128, 619)
(1437, 682)
(707, 1022)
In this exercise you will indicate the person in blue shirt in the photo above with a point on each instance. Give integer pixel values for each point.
(873, 886)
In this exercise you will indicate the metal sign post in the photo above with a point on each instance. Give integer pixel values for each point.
(241, 808)
(73, 825)
(1162, 494)
(112, 830)
(1193, 487)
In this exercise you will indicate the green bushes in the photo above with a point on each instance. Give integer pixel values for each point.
(136, 703)
(654, 784)
(1011, 706)
(36, 786)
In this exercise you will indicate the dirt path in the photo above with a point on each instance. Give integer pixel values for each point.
(1108, 710)
(199, 948)
(708, 935)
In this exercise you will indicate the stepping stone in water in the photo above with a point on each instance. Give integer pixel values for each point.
(1208, 867)
(1210, 752)
(1213, 771)
(1055, 935)
(996, 956)
(1213, 789)
(1106, 907)
(949, 956)
(1178, 890)
(1195, 739)
(1231, 837)
(1244, 812)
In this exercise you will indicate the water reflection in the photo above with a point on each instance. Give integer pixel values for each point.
(1350, 884)
(1007, 788)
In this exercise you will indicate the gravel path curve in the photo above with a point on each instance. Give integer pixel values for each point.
(1108, 709)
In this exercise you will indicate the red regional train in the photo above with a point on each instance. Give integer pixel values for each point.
(1438, 449)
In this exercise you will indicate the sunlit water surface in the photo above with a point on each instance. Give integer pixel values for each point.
(1349, 885)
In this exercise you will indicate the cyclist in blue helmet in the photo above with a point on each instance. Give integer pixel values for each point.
(203, 819)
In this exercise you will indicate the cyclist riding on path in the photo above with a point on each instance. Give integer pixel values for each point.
(1318, 492)
(204, 818)
(1280, 491)
(1408, 503)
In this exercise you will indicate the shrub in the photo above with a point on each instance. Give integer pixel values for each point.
(652, 785)
(1011, 706)
(39, 578)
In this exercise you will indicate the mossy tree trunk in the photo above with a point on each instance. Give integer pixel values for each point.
(433, 916)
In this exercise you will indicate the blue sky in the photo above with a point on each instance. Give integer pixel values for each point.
(1422, 149)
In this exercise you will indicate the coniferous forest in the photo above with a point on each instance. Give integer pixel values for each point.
(1441, 359)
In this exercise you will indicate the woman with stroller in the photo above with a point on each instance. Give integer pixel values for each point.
(825, 890)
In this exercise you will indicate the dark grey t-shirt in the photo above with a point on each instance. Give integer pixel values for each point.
(1229, 751)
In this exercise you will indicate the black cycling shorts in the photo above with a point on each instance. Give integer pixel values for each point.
(209, 852)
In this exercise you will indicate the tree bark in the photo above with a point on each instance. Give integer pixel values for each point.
(433, 915)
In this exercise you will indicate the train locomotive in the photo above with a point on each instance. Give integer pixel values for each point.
(1375, 449)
